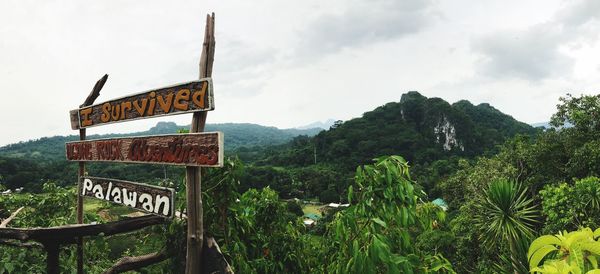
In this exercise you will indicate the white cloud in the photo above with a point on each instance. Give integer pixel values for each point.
(287, 63)
(360, 23)
(539, 51)
(580, 12)
(534, 54)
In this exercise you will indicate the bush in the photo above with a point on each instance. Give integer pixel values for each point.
(569, 206)
(295, 208)
(329, 196)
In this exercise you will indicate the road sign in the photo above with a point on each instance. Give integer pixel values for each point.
(190, 149)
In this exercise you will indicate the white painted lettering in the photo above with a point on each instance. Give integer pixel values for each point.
(116, 195)
(146, 201)
(131, 199)
(87, 186)
(163, 201)
(98, 191)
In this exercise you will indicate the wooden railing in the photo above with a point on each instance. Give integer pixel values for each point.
(51, 239)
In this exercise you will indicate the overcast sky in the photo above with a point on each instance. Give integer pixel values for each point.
(291, 63)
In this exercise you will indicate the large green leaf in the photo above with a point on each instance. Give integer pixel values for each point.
(576, 255)
(575, 237)
(593, 261)
(556, 267)
(379, 222)
(592, 247)
(539, 255)
(541, 242)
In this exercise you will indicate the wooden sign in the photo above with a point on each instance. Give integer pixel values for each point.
(149, 198)
(191, 149)
(178, 99)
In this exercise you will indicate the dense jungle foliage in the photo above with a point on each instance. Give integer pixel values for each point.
(29, 164)
(519, 199)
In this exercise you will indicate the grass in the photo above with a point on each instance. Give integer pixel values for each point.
(308, 208)
(92, 205)
(117, 210)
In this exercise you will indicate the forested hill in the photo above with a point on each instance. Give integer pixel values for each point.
(420, 129)
(236, 135)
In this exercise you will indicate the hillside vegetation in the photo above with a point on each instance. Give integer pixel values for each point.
(236, 135)
(429, 133)
(515, 199)
(31, 163)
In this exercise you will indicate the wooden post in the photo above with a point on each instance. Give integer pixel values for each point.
(195, 229)
(79, 210)
(88, 101)
(52, 255)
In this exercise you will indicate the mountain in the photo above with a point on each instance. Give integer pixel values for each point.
(319, 124)
(418, 128)
(429, 132)
(307, 131)
(542, 124)
(236, 135)
(547, 125)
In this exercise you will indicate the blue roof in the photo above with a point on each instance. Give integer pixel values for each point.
(312, 216)
(440, 202)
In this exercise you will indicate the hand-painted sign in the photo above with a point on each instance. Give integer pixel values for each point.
(152, 199)
(191, 149)
(178, 99)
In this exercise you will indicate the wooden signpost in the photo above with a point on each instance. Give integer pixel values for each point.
(193, 175)
(149, 198)
(192, 149)
(177, 99)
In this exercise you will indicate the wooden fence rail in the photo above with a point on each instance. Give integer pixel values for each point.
(52, 238)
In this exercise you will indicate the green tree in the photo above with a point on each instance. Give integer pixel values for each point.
(582, 112)
(570, 206)
(373, 235)
(508, 216)
(260, 235)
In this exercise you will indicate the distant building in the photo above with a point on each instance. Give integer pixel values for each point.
(312, 216)
(441, 203)
(308, 222)
(310, 219)
(332, 207)
(336, 205)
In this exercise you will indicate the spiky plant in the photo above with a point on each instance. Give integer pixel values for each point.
(507, 215)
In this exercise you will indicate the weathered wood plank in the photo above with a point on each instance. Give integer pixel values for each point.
(20, 244)
(132, 263)
(95, 91)
(11, 217)
(191, 149)
(89, 100)
(69, 233)
(213, 260)
(193, 182)
(52, 257)
(177, 99)
(148, 198)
